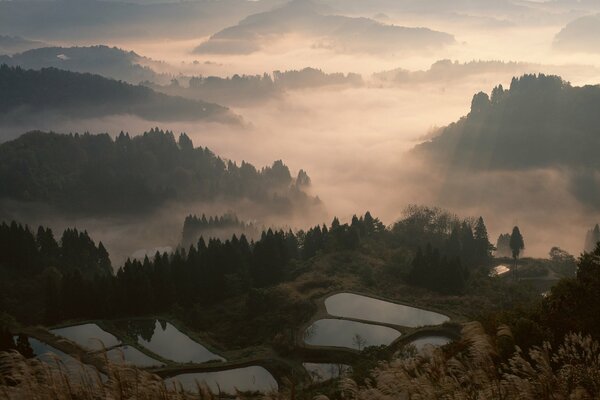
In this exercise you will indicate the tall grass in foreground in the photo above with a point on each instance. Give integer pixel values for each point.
(475, 372)
(470, 370)
(22, 378)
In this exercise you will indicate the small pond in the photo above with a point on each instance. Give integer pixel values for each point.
(426, 341)
(499, 270)
(253, 378)
(349, 305)
(163, 339)
(351, 334)
(131, 355)
(87, 336)
(321, 372)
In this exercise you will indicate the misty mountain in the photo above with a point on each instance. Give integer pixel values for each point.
(98, 175)
(540, 122)
(110, 62)
(29, 93)
(336, 32)
(16, 44)
(580, 35)
(495, 7)
(448, 70)
(236, 90)
(92, 19)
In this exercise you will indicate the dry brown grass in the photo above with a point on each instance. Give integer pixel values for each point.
(22, 378)
(570, 372)
(471, 372)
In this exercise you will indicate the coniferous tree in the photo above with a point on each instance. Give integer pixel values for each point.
(517, 245)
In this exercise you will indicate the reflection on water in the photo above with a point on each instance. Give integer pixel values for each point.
(321, 372)
(164, 339)
(248, 379)
(131, 355)
(88, 336)
(82, 372)
(349, 305)
(351, 334)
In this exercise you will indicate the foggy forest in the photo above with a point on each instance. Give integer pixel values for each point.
(299, 199)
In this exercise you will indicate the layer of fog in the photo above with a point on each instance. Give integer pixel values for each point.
(354, 142)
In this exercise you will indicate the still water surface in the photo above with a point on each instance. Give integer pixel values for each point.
(351, 334)
(349, 305)
(253, 378)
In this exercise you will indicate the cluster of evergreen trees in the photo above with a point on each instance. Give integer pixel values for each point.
(447, 248)
(23, 252)
(38, 271)
(131, 174)
(222, 226)
(76, 280)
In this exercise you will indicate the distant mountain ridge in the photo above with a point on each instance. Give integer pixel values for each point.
(16, 44)
(110, 62)
(76, 95)
(348, 34)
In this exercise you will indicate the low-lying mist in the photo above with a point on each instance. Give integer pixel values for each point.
(354, 143)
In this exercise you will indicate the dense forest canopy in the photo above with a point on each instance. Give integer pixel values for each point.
(71, 94)
(98, 174)
(213, 270)
(540, 121)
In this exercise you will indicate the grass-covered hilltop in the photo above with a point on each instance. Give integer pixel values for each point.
(259, 302)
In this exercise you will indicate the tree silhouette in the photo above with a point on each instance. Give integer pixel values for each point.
(516, 245)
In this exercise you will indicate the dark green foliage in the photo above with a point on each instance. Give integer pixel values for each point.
(85, 95)
(436, 272)
(539, 122)
(574, 304)
(97, 174)
(44, 279)
(452, 248)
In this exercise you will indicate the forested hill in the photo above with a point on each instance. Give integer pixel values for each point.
(110, 62)
(540, 121)
(95, 173)
(71, 94)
